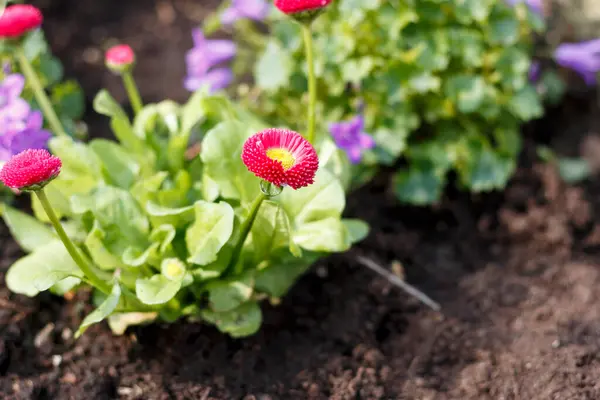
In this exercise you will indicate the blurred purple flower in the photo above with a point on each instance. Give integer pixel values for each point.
(20, 128)
(23, 135)
(535, 70)
(6, 67)
(583, 58)
(12, 106)
(534, 5)
(256, 10)
(205, 55)
(350, 137)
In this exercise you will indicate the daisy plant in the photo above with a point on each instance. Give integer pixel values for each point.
(198, 210)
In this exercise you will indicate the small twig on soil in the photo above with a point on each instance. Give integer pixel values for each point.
(396, 281)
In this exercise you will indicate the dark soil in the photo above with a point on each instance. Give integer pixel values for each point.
(517, 274)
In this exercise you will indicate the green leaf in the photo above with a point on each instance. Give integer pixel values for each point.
(192, 113)
(336, 161)
(34, 44)
(145, 189)
(274, 68)
(102, 312)
(119, 322)
(419, 185)
(241, 322)
(46, 266)
(79, 162)
(467, 91)
(26, 230)
(120, 168)
(162, 246)
(156, 290)
(326, 235)
(504, 31)
(552, 86)
(226, 296)
(357, 229)
(574, 170)
(114, 207)
(325, 198)
(50, 70)
(281, 273)
(271, 231)
(178, 217)
(105, 248)
(526, 104)
(487, 170)
(210, 231)
(221, 155)
(105, 104)
(69, 99)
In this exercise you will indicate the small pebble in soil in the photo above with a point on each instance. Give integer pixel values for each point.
(56, 360)
(69, 378)
(43, 336)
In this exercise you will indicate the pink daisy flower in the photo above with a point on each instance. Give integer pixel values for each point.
(281, 157)
(19, 19)
(30, 170)
(298, 6)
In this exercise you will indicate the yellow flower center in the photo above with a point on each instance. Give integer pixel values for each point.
(286, 158)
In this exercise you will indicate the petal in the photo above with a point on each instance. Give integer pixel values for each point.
(17, 109)
(219, 78)
(14, 84)
(35, 120)
(354, 154)
(229, 16)
(198, 37)
(29, 139)
(366, 141)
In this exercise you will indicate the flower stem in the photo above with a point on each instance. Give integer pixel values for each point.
(73, 252)
(132, 91)
(244, 231)
(40, 94)
(312, 83)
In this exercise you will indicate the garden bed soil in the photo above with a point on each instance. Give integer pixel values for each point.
(517, 274)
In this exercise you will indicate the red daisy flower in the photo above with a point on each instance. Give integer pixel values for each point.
(119, 57)
(31, 169)
(300, 6)
(19, 19)
(282, 157)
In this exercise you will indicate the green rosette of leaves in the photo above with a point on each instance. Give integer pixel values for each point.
(158, 215)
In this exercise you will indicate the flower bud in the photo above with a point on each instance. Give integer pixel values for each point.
(120, 58)
(30, 170)
(19, 19)
(304, 11)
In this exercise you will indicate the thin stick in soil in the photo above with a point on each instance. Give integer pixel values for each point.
(396, 281)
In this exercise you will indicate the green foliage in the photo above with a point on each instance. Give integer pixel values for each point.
(160, 227)
(444, 85)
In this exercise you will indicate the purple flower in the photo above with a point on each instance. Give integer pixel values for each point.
(535, 70)
(350, 137)
(583, 58)
(12, 106)
(256, 10)
(203, 57)
(216, 79)
(534, 5)
(20, 128)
